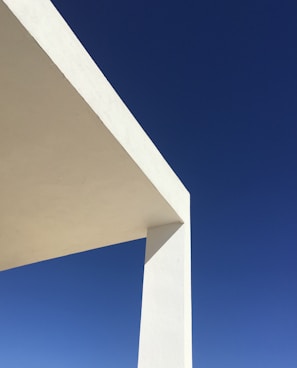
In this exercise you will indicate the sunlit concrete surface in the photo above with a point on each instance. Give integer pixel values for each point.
(78, 172)
(165, 331)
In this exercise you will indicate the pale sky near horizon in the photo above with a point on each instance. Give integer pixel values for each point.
(214, 84)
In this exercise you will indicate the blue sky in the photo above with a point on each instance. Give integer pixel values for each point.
(213, 83)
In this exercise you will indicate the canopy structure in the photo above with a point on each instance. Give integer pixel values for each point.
(78, 172)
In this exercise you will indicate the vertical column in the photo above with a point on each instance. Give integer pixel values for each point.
(166, 325)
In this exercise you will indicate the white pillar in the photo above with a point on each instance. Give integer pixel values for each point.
(166, 326)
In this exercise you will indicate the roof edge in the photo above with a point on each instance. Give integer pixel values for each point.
(48, 28)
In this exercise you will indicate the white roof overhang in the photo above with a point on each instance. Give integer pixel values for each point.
(77, 170)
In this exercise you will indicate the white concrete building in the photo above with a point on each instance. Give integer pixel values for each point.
(78, 173)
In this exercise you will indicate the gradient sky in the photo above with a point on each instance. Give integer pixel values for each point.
(214, 84)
